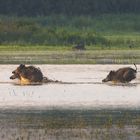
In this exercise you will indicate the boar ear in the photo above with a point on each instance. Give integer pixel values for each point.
(112, 72)
(22, 66)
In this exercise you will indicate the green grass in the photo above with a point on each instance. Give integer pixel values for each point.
(101, 56)
(49, 40)
(58, 30)
(25, 48)
(96, 47)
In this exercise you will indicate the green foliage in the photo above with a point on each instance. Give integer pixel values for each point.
(105, 30)
(31, 31)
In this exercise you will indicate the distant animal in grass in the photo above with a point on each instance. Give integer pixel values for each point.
(80, 46)
(123, 75)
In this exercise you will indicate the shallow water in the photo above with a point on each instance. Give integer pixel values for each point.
(87, 109)
(87, 90)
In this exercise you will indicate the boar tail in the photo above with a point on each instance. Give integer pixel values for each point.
(135, 67)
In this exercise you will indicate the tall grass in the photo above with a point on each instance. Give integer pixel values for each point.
(103, 30)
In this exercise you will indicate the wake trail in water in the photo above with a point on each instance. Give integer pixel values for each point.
(51, 82)
(73, 83)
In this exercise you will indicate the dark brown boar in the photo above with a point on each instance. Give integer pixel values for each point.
(27, 74)
(121, 75)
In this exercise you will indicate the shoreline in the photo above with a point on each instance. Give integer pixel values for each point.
(71, 57)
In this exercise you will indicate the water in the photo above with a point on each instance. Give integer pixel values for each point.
(87, 91)
(87, 109)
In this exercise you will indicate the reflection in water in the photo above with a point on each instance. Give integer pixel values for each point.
(123, 84)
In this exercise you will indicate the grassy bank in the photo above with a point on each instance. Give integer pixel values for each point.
(63, 56)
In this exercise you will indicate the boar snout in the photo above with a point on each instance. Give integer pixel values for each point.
(12, 77)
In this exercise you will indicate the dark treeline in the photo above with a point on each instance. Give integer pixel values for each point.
(67, 7)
